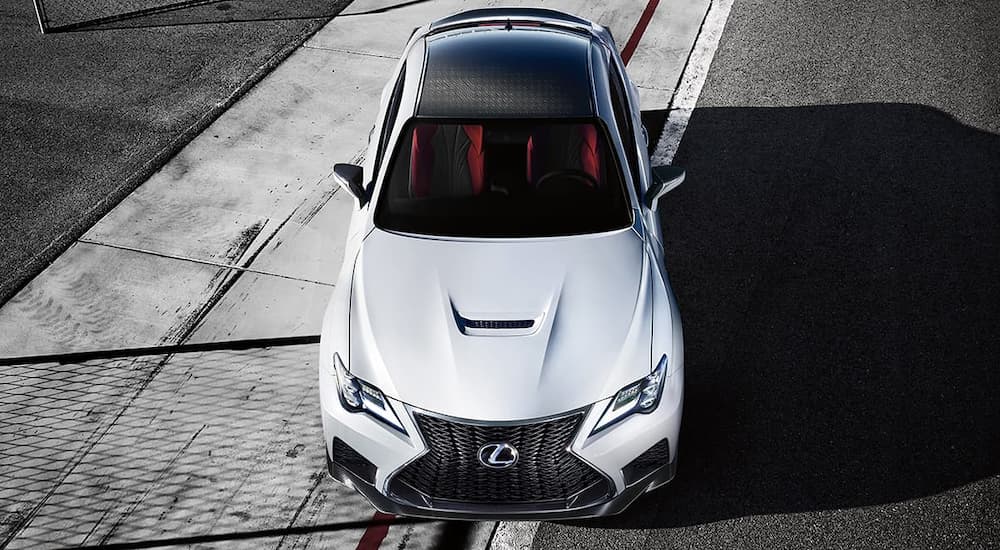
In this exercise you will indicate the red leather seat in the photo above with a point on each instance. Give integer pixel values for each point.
(564, 147)
(447, 160)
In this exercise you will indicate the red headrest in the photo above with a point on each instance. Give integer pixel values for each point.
(433, 144)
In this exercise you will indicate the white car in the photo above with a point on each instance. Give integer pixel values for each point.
(503, 341)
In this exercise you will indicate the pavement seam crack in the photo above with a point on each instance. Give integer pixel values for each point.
(204, 262)
(193, 322)
(351, 52)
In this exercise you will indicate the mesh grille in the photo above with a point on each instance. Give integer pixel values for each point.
(346, 456)
(544, 471)
(652, 458)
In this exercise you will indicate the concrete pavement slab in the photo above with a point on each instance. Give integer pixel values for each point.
(216, 442)
(311, 249)
(310, 245)
(262, 306)
(255, 164)
(100, 297)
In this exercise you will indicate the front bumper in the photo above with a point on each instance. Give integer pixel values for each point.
(608, 507)
(609, 453)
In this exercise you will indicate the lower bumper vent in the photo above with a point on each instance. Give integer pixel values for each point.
(352, 461)
(652, 458)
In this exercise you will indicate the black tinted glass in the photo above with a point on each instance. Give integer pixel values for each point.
(530, 178)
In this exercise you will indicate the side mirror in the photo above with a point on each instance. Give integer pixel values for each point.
(350, 176)
(665, 178)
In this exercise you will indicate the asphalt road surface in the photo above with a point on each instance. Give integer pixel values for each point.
(88, 116)
(836, 254)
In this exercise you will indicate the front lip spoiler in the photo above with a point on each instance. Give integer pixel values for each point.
(493, 512)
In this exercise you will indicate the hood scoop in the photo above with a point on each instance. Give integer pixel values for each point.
(496, 324)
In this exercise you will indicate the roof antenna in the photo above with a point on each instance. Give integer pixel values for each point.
(508, 26)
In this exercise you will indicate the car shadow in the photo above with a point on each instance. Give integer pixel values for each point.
(838, 272)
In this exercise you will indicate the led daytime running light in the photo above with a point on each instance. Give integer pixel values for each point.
(358, 396)
(641, 396)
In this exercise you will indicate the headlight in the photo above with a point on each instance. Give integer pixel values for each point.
(641, 396)
(358, 396)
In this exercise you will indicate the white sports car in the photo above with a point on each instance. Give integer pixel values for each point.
(503, 341)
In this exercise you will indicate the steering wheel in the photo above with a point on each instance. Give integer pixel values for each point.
(579, 176)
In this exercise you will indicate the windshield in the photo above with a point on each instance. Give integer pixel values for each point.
(503, 179)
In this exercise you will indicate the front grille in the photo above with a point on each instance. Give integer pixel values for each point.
(652, 458)
(545, 471)
(352, 461)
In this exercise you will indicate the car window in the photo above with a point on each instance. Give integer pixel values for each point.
(501, 178)
(619, 102)
(389, 122)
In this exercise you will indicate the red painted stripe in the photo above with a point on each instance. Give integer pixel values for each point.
(640, 28)
(373, 536)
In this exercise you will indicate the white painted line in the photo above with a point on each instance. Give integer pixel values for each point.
(687, 92)
(658, 63)
(520, 535)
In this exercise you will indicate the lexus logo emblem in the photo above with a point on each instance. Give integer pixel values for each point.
(498, 455)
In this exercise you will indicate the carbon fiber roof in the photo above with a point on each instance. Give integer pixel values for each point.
(497, 73)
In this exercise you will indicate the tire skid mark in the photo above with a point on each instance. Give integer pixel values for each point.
(71, 312)
(151, 218)
(309, 208)
(243, 241)
(183, 330)
(317, 479)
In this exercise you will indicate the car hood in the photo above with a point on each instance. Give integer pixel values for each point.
(586, 296)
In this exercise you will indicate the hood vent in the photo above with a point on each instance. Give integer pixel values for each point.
(496, 324)
(499, 324)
